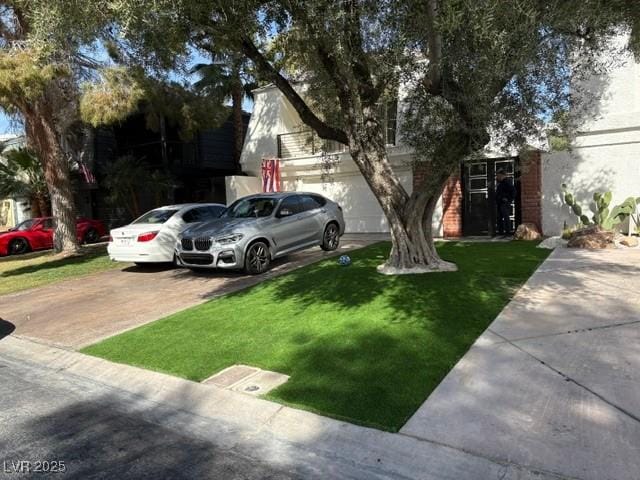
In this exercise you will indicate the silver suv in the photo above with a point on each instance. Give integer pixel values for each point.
(256, 229)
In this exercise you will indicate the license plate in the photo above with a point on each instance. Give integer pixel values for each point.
(123, 241)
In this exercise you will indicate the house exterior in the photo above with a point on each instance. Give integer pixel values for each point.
(311, 164)
(605, 155)
(197, 166)
(16, 209)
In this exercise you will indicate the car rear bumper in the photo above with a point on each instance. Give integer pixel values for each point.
(142, 255)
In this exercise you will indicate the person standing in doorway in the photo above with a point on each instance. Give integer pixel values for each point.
(505, 195)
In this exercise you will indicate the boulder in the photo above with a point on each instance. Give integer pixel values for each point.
(527, 231)
(629, 241)
(592, 237)
(552, 242)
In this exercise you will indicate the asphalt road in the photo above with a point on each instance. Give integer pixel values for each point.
(90, 432)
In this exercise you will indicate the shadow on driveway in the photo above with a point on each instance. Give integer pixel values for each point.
(6, 328)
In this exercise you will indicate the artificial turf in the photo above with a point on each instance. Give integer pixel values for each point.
(358, 345)
(37, 269)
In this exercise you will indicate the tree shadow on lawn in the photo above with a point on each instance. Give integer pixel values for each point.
(376, 379)
(86, 256)
(386, 361)
(488, 274)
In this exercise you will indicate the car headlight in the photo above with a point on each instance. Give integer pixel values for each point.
(229, 239)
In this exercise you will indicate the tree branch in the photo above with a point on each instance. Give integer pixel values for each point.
(433, 79)
(360, 65)
(323, 130)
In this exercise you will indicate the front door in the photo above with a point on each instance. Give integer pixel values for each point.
(479, 181)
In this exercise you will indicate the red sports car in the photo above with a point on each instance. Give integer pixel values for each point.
(37, 234)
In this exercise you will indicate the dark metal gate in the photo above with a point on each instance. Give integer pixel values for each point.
(479, 184)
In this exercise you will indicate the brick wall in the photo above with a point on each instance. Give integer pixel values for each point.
(452, 207)
(531, 188)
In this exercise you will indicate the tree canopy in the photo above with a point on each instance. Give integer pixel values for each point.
(468, 73)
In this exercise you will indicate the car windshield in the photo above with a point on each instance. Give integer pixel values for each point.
(251, 207)
(26, 225)
(160, 215)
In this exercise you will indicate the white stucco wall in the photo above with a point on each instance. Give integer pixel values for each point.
(238, 186)
(361, 210)
(605, 155)
(271, 116)
(613, 98)
(607, 166)
(343, 182)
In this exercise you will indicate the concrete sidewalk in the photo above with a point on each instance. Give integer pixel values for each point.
(554, 383)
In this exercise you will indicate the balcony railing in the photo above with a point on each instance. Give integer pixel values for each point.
(306, 143)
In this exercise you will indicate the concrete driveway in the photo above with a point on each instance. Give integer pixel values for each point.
(554, 383)
(81, 311)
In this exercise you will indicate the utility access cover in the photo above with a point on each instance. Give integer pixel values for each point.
(246, 379)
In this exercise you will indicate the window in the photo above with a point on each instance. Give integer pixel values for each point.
(193, 215)
(311, 202)
(251, 207)
(158, 216)
(320, 199)
(202, 214)
(388, 114)
(292, 203)
(26, 225)
(48, 224)
(215, 212)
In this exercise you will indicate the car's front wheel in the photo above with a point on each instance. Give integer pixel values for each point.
(257, 258)
(331, 238)
(18, 246)
(92, 236)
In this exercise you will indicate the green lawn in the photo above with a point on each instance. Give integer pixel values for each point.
(358, 345)
(41, 268)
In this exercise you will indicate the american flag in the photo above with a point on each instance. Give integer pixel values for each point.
(86, 173)
(270, 175)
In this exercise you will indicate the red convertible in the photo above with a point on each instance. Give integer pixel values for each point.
(37, 234)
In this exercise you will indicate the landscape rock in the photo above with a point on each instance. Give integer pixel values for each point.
(591, 237)
(552, 242)
(629, 241)
(527, 231)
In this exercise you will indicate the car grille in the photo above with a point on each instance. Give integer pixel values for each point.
(197, 258)
(203, 244)
(187, 244)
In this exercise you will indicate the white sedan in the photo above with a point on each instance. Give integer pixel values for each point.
(152, 237)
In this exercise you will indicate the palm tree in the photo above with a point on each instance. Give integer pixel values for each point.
(21, 175)
(229, 78)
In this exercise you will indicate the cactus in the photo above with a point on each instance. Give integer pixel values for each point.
(607, 219)
(569, 199)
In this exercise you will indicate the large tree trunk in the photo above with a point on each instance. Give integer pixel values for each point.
(42, 136)
(409, 216)
(238, 123)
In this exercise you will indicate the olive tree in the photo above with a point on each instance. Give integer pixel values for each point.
(473, 71)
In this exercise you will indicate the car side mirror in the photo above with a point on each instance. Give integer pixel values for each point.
(285, 212)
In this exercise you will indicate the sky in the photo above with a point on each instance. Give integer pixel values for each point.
(5, 125)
